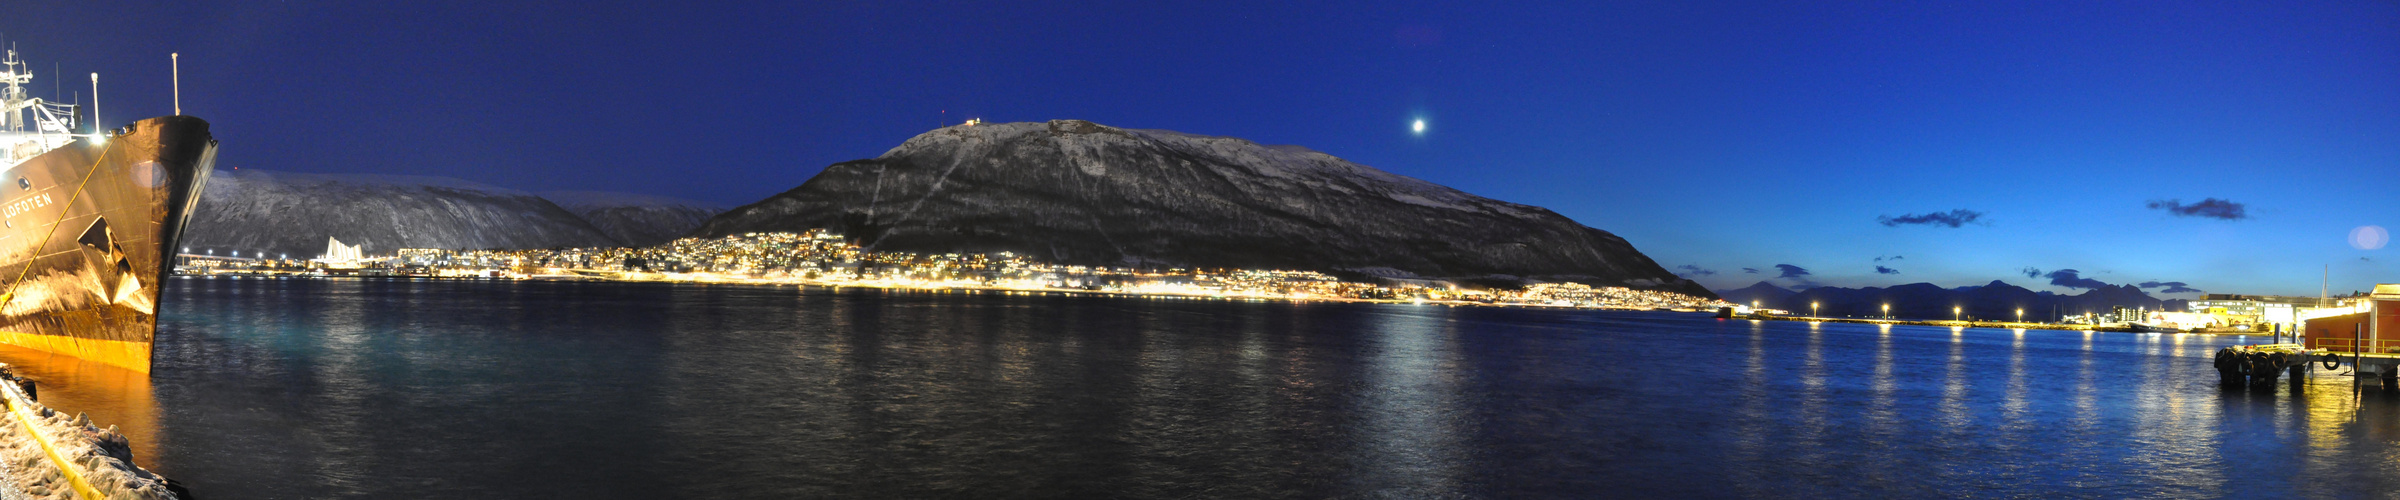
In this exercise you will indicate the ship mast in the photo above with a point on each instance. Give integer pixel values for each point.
(28, 126)
(12, 97)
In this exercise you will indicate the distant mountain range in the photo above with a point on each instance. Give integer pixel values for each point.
(1077, 192)
(1997, 300)
(258, 212)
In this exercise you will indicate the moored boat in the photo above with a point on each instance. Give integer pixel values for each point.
(91, 220)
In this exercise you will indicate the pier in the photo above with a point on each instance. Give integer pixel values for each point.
(2260, 365)
(2351, 335)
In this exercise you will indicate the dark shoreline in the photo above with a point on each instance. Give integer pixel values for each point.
(2012, 325)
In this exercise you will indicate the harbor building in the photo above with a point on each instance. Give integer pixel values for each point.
(2282, 310)
(2371, 322)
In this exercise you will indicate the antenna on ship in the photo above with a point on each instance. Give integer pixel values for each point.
(176, 59)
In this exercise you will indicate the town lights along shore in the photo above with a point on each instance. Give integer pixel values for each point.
(89, 219)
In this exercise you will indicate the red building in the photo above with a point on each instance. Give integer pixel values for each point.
(2382, 335)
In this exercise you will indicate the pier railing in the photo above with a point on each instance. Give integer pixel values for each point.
(2344, 344)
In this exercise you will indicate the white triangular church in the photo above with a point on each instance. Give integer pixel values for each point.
(335, 251)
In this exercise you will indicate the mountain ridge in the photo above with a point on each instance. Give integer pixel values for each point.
(259, 212)
(635, 219)
(1077, 192)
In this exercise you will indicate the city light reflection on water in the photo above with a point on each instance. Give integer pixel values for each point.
(294, 388)
(110, 395)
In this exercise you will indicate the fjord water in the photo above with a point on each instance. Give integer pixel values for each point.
(399, 389)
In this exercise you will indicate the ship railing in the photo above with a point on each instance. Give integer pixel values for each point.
(16, 147)
(55, 118)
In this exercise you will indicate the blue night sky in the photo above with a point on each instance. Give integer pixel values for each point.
(1716, 135)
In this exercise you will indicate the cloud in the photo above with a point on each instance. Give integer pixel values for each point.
(1953, 218)
(1894, 257)
(2210, 207)
(2031, 272)
(2070, 278)
(1692, 270)
(1798, 275)
(1886, 270)
(2171, 286)
(1750, 270)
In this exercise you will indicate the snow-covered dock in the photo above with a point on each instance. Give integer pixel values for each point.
(45, 454)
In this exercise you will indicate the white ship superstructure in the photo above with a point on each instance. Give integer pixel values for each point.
(30, 126)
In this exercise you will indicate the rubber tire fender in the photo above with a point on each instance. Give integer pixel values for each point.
(2229, 361)
(2254, 364)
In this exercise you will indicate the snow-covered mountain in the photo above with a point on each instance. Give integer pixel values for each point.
(635, 219)
(252, 211)
(1079, 192)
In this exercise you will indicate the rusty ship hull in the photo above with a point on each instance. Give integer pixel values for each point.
(91, 230)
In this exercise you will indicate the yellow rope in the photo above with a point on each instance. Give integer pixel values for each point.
(17, 405)
(5, 298)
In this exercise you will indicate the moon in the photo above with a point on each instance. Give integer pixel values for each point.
(2369, 237)
(1418, 127)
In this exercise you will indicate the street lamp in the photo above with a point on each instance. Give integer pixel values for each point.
(1887, 310)
(96, 135)
(1955, 313)
(1812, 309)
(2020, 315)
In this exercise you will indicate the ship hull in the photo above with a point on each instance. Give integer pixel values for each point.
(90, 230)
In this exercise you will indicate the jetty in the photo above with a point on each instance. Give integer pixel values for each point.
(2351, 335)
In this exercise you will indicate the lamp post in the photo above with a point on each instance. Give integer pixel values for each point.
(1956, 313)
(96, 105)
(2020, 315)
(1812, 309)
(1887, 310)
